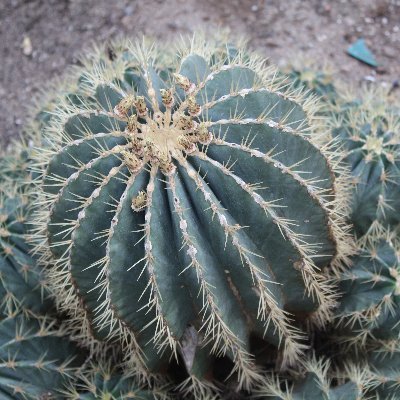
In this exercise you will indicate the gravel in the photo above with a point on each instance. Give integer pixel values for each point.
(40, 38)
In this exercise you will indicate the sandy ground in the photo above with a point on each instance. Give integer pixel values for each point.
(39, 38)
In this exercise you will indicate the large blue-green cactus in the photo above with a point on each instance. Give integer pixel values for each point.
(186, 207)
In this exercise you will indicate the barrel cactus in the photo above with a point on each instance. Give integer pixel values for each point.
(22, 282)
(14, 164)
(383, 365)
(188, 202)
(101, 381)
(318, 81)
(370, 131)
(370, 305)
(319, 381)
(37, 360)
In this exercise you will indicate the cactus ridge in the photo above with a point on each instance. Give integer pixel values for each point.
(167, 193)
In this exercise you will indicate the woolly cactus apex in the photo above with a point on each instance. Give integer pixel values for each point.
(371, 134)
(185, 207)
(370, 304)
(103, 382)
(21, 280)
(36, 360)
(318, 382)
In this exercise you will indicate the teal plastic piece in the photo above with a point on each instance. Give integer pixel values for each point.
(361, 52)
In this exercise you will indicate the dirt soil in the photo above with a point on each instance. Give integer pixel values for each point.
(39, 38)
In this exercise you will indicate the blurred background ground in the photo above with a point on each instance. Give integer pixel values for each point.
(39, 38)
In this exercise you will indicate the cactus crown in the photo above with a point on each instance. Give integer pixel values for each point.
(188, 204)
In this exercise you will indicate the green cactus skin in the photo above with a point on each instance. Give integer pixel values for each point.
(22, 284)
(370, 133)
(36, 359)
(183, 221)
(316, 384)
(102, 382)
(370, 304)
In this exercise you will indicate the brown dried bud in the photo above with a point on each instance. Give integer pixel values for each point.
(193, 108)
(139, 202)
(184, 83)
(140, 105)
(187, 145)
(151, 152)
(131, 161)
(167, 166)
(122, 108)
(185, 122)
(137, 146)
(167, 97)
(205, 137)
(132, 123)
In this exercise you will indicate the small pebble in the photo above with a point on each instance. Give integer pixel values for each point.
(369, 78)
(26, 46)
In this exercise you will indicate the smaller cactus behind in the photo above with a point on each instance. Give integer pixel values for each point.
(14, 166)
(370, 132)
(370, 305)
(384, 369)
(318, 81)
(318, 382)
(36, 360)
(103, 382)
(22, 284)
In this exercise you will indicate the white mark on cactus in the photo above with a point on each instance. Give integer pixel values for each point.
(192, 251)
(258, 199)
(222, 220)
(183, 224)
